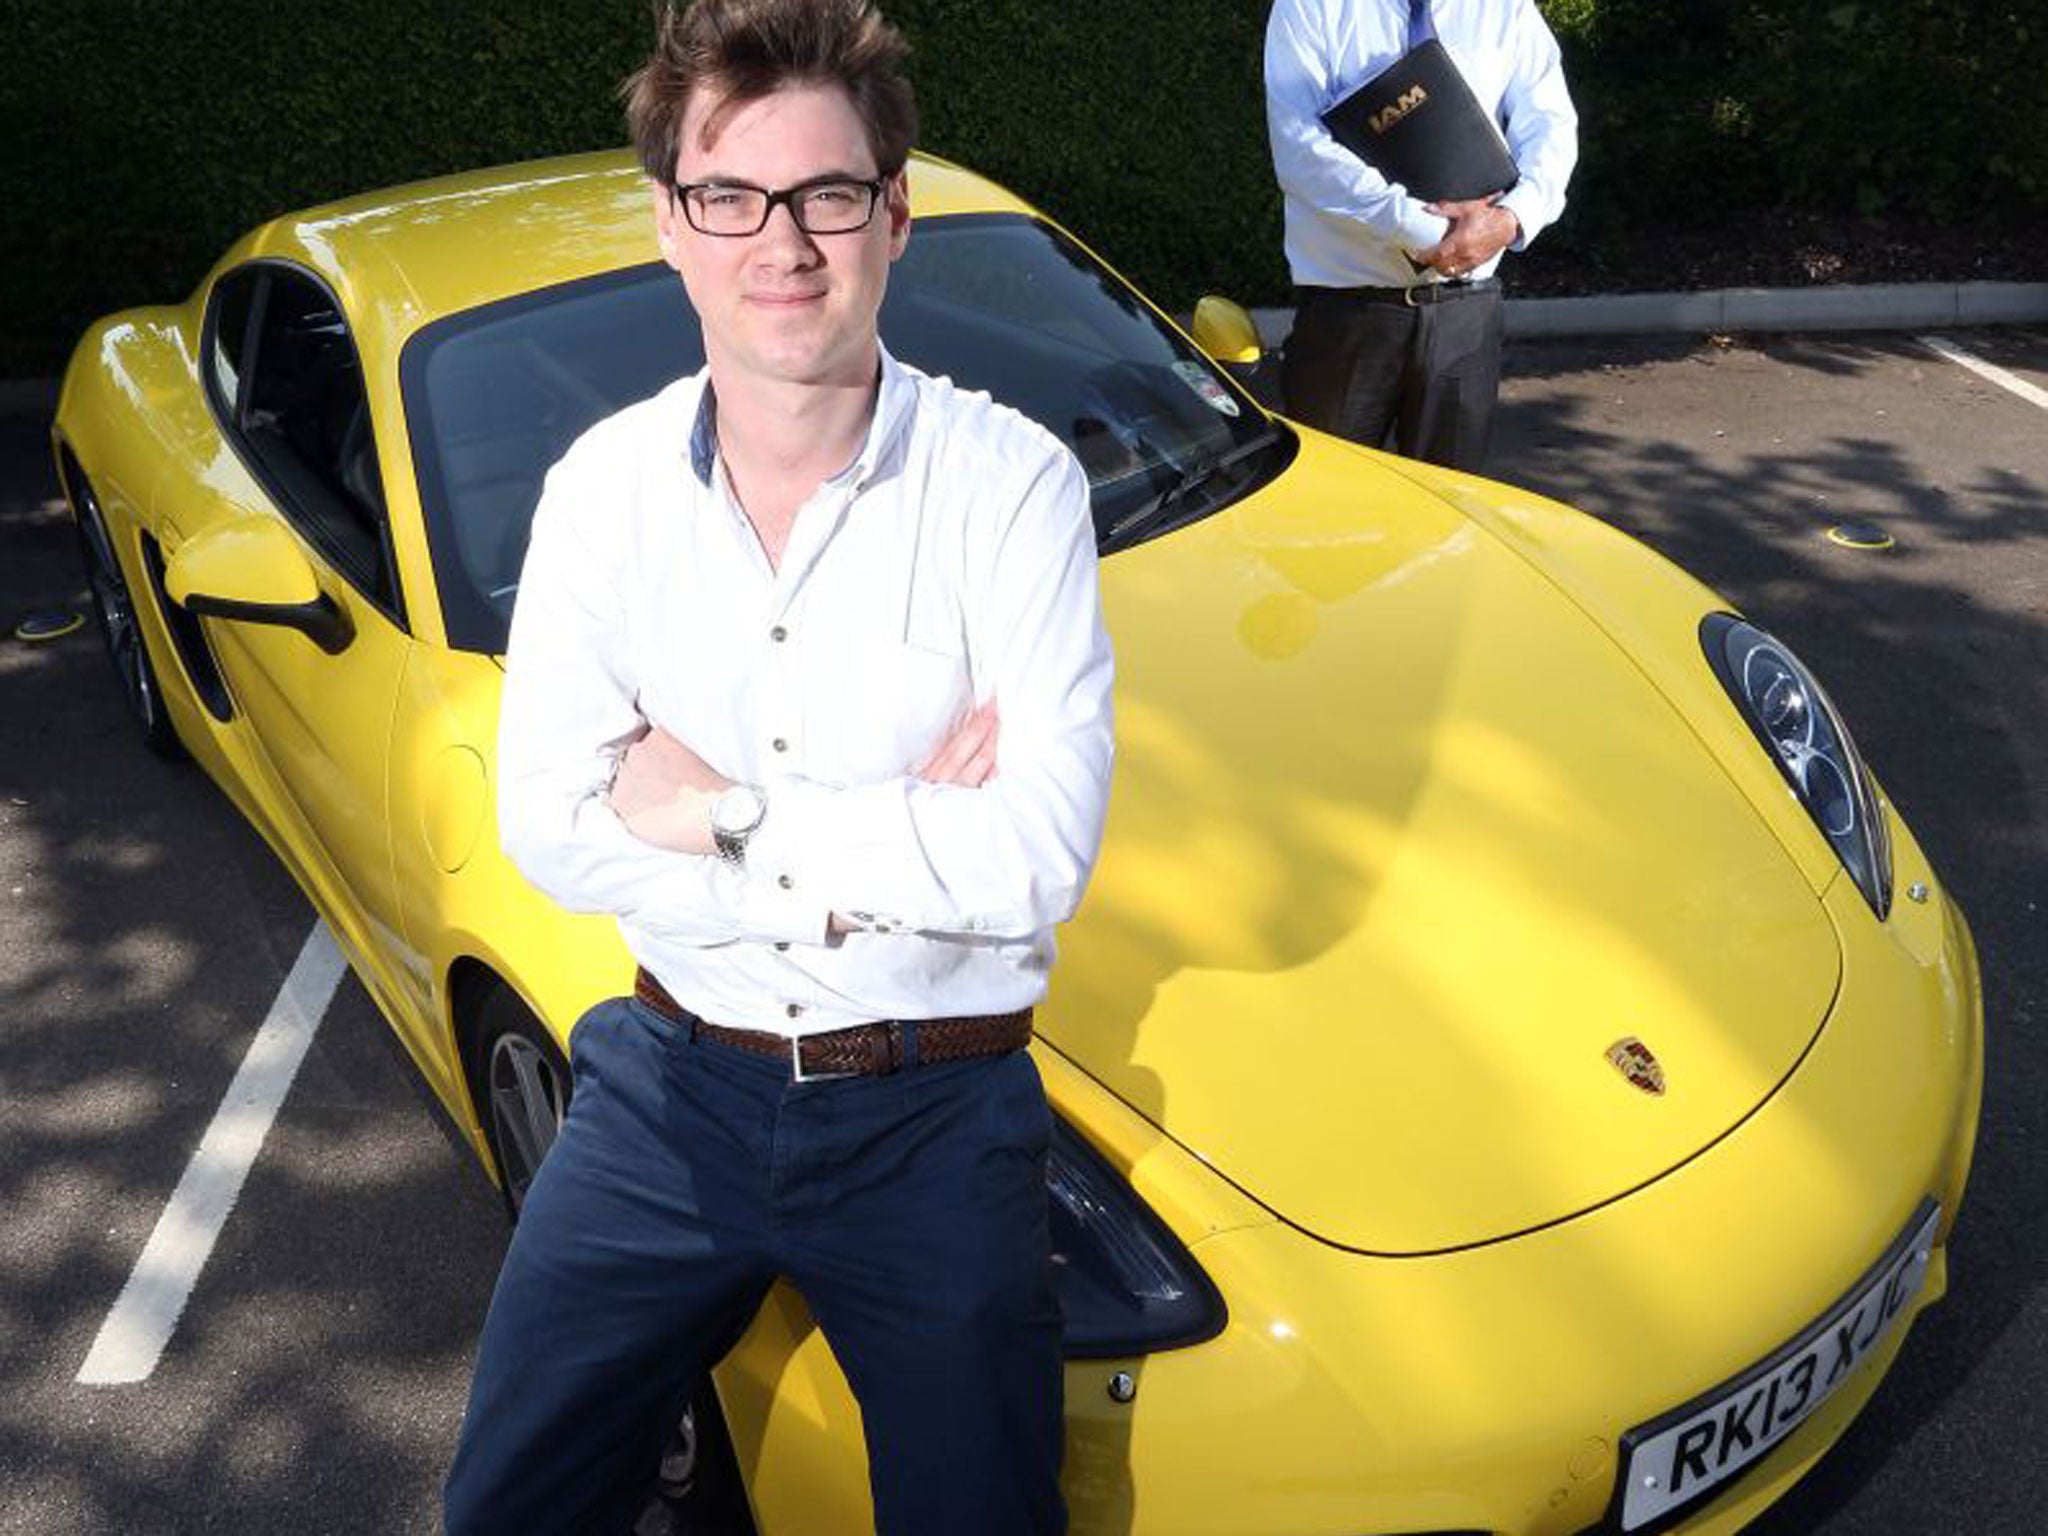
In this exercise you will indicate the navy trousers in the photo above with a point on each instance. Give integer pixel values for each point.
(909, 1210)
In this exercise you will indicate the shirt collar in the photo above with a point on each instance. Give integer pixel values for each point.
(894, 407)
(704, 434)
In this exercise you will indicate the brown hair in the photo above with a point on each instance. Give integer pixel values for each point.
(747, 49)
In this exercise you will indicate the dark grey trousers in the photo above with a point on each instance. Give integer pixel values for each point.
(1364, 364)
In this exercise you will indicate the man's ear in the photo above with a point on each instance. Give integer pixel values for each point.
(896, 199)
(668, 223)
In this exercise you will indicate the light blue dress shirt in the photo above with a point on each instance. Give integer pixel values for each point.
(1346, 225)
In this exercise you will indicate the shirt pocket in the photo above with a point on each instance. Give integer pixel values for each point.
(877, 709)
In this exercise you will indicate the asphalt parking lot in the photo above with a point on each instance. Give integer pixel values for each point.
(1734, 460)
(314, 1381)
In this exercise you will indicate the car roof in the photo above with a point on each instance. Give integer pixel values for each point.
(405, 256)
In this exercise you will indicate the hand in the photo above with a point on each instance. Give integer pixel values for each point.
(663, 793)
(967, 757)
(1480, 230)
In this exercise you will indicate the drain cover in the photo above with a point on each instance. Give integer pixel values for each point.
(48, 625)
(1860, 536)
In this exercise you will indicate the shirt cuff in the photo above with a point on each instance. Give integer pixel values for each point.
(749, 905)
(775, 908)
(1522, 201)
(1422, 230)
(833, 848)
(795, 859)
(752, 908)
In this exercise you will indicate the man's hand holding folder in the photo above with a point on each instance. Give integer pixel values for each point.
(1480, 230)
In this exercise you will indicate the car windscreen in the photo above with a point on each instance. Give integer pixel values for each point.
(1003, 303)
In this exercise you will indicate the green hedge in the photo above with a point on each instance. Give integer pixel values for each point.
(137, 139)
(1929, 109)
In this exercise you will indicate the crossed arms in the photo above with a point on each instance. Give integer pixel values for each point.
(604, 809)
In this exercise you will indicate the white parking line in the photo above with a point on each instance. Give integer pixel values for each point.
(2033, 394)
(132, 1338)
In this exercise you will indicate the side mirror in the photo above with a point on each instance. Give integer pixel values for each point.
(1225, 331)
(252, 571)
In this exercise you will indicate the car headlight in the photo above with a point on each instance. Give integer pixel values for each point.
(1127, 1286)
(1807, 739)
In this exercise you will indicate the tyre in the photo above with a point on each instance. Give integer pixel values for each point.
(114, 607)
(522, 1091)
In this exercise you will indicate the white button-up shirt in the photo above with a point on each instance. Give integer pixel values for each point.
(952, 562)
(1346, 225)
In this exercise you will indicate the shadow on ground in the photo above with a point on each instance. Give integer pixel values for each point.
(316, 1380)
(1937, 653)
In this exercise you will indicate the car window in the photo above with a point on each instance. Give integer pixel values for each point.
(298, 410)
(229, 333)
(494, 396)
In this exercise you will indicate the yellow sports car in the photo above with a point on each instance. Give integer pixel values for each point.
(1516, 1072)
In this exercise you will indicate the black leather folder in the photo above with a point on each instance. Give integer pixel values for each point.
(1417, 123)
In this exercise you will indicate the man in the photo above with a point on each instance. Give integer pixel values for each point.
(1397, 323)
(807, 684)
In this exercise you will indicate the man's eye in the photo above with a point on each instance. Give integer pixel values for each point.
(722, 197)
(838, 195)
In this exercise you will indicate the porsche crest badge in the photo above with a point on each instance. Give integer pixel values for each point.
(1634, 1061)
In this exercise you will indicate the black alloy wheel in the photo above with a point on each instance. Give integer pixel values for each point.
(114, 607)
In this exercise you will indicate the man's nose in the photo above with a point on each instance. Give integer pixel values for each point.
(782, 233)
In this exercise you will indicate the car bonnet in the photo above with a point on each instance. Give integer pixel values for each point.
(1423, 916)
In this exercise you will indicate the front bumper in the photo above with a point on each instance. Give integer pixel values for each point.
(1487, 1389)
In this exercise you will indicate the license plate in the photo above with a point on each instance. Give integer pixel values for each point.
(1682, 1457)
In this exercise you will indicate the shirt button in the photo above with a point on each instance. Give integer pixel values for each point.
(778, 634)
(785, 882)
(795, 1010)
(782, 945)
(779, 744)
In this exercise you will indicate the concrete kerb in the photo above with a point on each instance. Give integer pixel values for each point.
(29, 397)
(1848, 307)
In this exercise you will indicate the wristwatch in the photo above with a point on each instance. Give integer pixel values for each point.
(735, 815)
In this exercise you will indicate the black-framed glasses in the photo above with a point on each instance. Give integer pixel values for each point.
(831, 205)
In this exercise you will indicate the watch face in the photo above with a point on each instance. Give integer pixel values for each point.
(738, 811)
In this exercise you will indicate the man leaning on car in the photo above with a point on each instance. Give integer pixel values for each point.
(808, 685)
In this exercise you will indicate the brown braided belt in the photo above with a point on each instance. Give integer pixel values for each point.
(859, 1050)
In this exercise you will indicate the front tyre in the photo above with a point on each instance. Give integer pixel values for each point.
(120, 628)
(522, 1088)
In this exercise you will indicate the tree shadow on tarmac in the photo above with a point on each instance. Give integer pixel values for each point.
(316, 1379)
(1937, 653)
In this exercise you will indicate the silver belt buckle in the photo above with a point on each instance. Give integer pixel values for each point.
(797, 1074)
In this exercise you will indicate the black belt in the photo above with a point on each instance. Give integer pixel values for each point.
(1420, 293)
(859, 1050)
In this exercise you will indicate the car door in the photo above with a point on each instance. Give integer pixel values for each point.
(286, 385)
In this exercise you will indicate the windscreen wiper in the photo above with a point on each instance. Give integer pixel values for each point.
(1169, 508)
